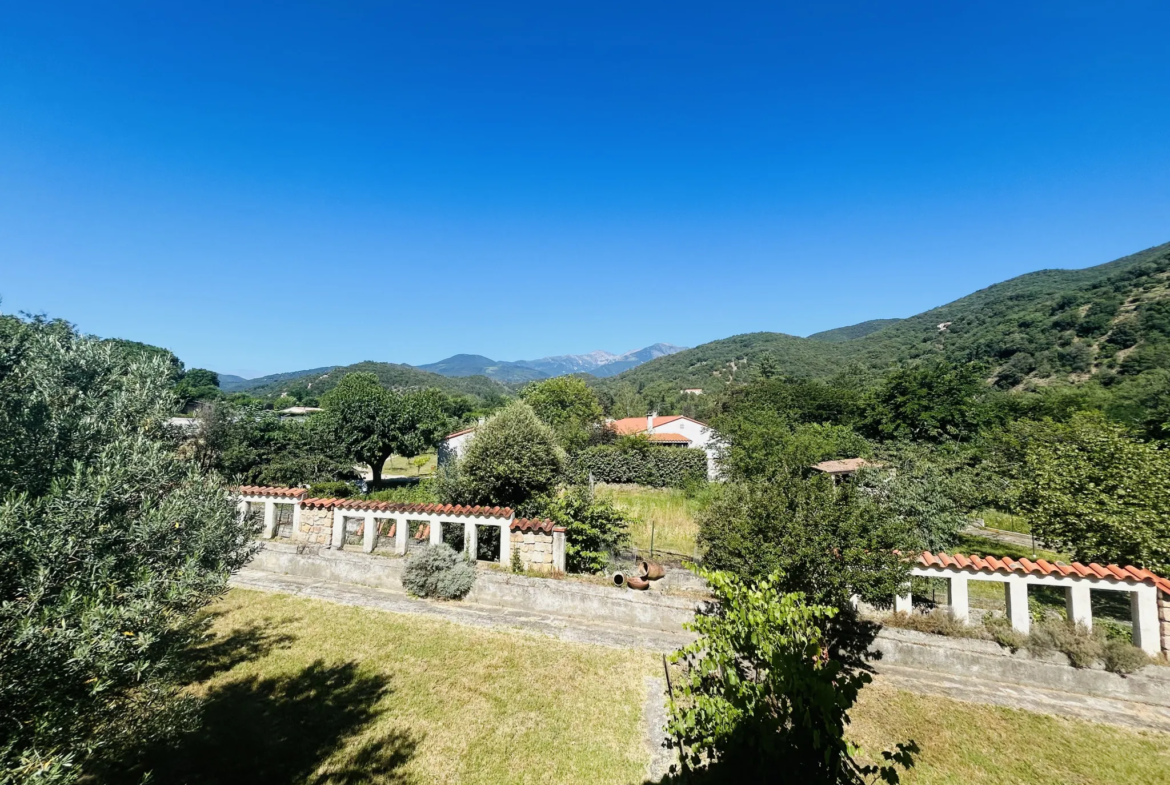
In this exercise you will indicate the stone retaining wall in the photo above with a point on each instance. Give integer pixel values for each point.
(564, 598)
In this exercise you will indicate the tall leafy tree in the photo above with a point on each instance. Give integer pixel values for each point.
(1091, 488)
(111, 541)
(568, 406)
(372, 423)
(932, 401)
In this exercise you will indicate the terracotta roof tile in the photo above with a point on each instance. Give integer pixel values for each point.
(368, 505)
(628, 425)
(670, 438)
(269, 490)
(534, 524)
(978, 563)
(460, 433)
(842, 466)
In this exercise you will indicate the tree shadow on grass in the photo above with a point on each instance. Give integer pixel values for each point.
(282, 730)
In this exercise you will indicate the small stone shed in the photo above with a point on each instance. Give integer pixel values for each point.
(385, 527)
(1149, 594)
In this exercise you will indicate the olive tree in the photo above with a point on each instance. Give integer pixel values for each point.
(111, 541)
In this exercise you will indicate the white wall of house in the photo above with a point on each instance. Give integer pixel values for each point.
(452, 448)
(702, 437)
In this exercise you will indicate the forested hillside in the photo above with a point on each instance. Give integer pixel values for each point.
(1109, 322)
(852, 331)
(390, 375)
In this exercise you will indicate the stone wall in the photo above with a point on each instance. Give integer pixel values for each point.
(535, 549)
(316, 527)
(1164, 621)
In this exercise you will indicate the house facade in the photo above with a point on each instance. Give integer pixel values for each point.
(673, 430)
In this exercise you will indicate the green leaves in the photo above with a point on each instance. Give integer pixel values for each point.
(763, 693)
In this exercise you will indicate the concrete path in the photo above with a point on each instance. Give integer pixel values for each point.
(492, 617)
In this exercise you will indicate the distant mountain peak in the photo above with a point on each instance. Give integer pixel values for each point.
(598, 363)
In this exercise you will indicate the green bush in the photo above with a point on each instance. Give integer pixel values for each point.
(331, 490)
(416, 493)
(438, 571)
(594, 528)
(658, 467)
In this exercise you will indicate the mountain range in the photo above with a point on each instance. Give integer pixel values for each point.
(1108, 321)
(599, 363)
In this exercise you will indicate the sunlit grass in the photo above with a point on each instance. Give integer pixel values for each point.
(995, 519)
(341, 694)
(969, 744)
(665, 514)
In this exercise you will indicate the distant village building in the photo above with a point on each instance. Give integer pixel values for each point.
(668, 431)
(298, 411)
(693, 391)
(673, 430)
(844, 468)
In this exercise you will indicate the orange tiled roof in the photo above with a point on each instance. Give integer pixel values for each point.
(268, 490)
(399, 507)
(670, 438)
(991, 564)
(628, 425)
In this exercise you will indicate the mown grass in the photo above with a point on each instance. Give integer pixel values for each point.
(1007, 522)
(304, 691)
(969, 744)
(401, 466)
(322, 693)
(666, 513)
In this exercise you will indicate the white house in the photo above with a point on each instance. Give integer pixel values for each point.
(454, 445)
(674, 430)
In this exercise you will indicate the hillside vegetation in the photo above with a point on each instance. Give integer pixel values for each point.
(1112, 320)
(391, 375)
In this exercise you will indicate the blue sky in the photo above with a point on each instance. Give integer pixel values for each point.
(290, 185)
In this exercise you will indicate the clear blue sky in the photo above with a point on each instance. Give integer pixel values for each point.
(294, 185)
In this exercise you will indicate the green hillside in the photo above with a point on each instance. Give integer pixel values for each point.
(1049, 325)
(853, 331)
(391, 375)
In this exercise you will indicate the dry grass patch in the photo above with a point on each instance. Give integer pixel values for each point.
(322, 693)
(668, 511)
(972, 744)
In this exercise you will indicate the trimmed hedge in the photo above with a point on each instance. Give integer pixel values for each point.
(659, 467)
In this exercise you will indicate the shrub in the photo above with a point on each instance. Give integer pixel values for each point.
(1122, 658)
(438, 571)
(937, 622)
(422, 492)
(594, 528)
(513, 457)
(765, 692)
(658, 467)
(1001, 631)
(331, 490)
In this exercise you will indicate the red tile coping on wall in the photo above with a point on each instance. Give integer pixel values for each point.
(1042, 567)
(534, 524)
(268, 490)
(365, 505)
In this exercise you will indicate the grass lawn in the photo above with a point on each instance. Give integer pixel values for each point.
(400, 466)
(301, 691)
(968, 744)
(667, 510)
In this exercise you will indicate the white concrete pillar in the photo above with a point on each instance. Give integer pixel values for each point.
(296, 527)
(1143, 603)
(400, 532)
(1015, 595)
(338, 529)
(957, 598)
(470, 546)
(436, 532)
(558, 553)
(369, 533)
(1078, 605)
(904, 603)
(269, 520)
(242, 506)
(506, 544)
